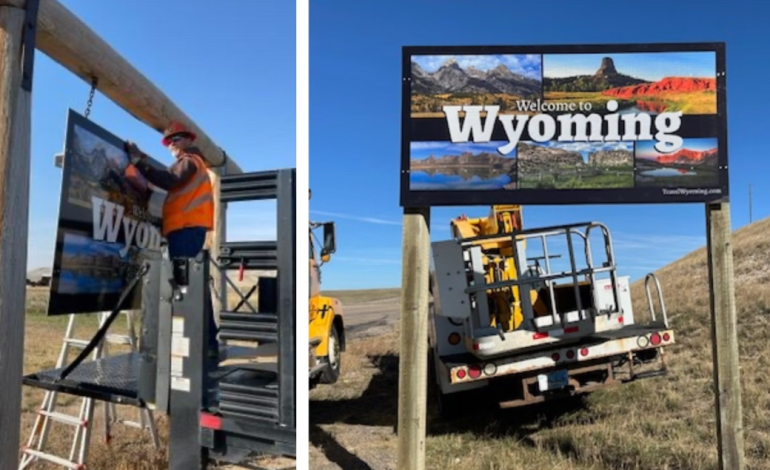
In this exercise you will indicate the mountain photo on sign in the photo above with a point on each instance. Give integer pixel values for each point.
(102, 169)
(640, 82)
(448, 166)
(695, 165)
(446, 80)
(575, 165)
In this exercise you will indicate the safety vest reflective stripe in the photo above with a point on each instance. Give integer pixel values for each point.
(197, 202)
(198, 179)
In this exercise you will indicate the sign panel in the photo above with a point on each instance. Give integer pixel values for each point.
(109, 221)
(588, 124)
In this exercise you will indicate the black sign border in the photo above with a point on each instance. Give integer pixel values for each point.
(409, 198)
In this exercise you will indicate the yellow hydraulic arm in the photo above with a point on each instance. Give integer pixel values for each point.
(497, 256)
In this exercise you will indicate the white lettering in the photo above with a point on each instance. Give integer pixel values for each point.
(154, 238)
(142, 235)
(631, 121)
(129, 228)
(471, 123)
(512, 132)
(543, 127)
(613, 134)
(106, 219)
(580, 122)
(668, 122)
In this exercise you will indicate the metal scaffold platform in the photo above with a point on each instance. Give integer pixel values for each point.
(222, 412)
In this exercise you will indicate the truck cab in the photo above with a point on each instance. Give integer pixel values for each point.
(327, 327)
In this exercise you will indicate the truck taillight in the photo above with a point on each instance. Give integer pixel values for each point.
(460, 374)
(642, 341)
(454, 339)
(655, 339)
(666, 337)
(210, 421)
(584, 352)
(490, 368)
(474, 371)
(570, 354)
(555, 357)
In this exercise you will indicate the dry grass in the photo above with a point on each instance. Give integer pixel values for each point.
(129, 449)
(363, 295)
(662, 423)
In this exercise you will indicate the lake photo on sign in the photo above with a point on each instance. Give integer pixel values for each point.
(443, 165)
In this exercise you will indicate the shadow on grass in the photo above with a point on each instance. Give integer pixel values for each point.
(334, 451)
(479, 414)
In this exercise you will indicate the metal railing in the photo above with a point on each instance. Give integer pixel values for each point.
(660, 298)
(541, 276)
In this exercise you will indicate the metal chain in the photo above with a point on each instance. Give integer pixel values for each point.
(94, 80)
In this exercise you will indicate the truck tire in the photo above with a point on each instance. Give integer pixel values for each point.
(333, 361)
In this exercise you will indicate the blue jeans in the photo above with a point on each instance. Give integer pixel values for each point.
(187, 243)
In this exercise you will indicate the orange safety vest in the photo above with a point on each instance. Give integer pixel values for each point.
(192, 204)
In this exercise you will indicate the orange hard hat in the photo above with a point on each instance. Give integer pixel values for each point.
(176, 128)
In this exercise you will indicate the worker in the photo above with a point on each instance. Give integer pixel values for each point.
(188, 211)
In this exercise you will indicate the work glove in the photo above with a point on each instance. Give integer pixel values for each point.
(134, 154)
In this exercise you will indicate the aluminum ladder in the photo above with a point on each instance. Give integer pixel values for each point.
(35, 448)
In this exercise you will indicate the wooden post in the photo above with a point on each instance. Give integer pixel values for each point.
(15, 116)
(216, 237)
(724, 338)
(413, 364)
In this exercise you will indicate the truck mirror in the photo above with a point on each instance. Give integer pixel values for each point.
(330, 243)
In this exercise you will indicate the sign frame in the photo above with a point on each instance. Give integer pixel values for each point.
(435, 129)
(72, 221)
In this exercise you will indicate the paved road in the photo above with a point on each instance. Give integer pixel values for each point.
(371, 318)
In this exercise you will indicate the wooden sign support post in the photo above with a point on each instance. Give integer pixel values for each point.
(413, 355)
(63, 37)
(15, 124)
(724, 337)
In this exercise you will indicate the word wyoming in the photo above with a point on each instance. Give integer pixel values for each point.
(569, 127)
(109, 218)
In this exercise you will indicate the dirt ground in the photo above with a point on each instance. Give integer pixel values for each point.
(661, 423)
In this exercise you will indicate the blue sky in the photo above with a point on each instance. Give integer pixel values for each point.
(229, 68)
(647, 66)
(355, 118)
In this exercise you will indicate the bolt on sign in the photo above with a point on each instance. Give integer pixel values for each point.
(578, 124)
(109, 220)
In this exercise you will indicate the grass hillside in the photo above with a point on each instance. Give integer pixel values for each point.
(663, 423)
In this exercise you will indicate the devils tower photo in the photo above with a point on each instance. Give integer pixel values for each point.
(640, 82)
